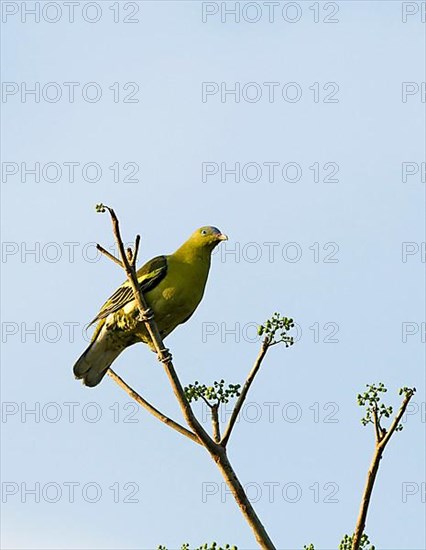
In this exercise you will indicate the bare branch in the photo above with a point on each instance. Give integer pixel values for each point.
(377, 427)
(150, 408)
(215, 422)
(244, 392)
(109, 255)
(237, 490)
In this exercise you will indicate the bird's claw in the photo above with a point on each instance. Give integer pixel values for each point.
(147, 315)
(165, 356)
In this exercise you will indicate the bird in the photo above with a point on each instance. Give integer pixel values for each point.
(172, 285)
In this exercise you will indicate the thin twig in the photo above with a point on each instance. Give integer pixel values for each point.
(372, 472)
(377, 427)
(215, 422)
(244, 392)
(109, 255)
(398, 417)
(206, 401)
(150, 408)
(136, 250)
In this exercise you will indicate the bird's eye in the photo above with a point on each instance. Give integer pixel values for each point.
(203, 232)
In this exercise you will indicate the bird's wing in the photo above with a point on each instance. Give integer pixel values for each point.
(149, 276)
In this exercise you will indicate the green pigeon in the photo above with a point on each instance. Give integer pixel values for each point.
(172, 285)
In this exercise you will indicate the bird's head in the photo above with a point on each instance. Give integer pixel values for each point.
(207, 237)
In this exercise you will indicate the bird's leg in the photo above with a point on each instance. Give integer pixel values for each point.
(165, 356)
(146, 316)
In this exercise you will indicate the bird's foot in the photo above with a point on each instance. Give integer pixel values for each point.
(165, 356)
(148, 315)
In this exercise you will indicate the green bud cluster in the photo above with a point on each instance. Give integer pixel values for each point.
(216, 393)
(277, 325)
(346, 543)
(408, 392)
(371, 398)
(100, 208)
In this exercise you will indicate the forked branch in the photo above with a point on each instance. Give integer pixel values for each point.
(374, 414)
(127, 261)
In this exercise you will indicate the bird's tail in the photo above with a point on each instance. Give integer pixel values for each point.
(93, 364)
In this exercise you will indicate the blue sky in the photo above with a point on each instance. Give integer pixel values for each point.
(331, 254)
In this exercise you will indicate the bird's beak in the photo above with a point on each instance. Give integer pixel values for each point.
(222, 237)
